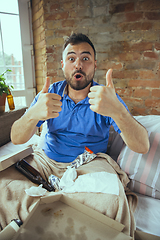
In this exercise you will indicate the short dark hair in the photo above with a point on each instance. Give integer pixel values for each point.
(76, 38)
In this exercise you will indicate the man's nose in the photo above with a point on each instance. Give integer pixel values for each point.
(78, 64)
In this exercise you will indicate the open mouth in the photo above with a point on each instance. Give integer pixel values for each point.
(78, 76)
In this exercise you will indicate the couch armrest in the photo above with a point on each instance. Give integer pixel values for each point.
(6, 121)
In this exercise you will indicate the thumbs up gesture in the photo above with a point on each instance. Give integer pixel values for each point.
(48, 104)
(103, 99)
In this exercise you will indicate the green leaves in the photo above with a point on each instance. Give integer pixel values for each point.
(4, 88)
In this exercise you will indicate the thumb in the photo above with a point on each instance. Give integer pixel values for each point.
(46, 85)
(109, 82)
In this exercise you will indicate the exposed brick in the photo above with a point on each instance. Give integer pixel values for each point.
(114, 65)
(108, 65)
(39, 87)
(50, 49)
(151, 55)
(124, 92)
(141, 46)
(126, 40)
(98, 11)
(136, 16)
(155, 112)
(156, 93)
(135, 26)
(144, 83)
(141, 93)
(157, 46)
(49, 33)
(125, 74)
(73, 13)
(132, 100)
(118, 18)
(126, 7)
(69, 5)
(120, 83)
(148, 5)
(57, 16)
(156, 25)
(68, 23)
(140, 65)
(84, 12)
(51, 65)
(147, 74)
(155, 103)
(82, 3)
(152, 15)
(40, 80)
(55, 41)
(39, 73)
(150, 36)
(129, 56)
(55, 6)
(139, 111)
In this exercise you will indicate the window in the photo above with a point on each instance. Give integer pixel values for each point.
(16, 51)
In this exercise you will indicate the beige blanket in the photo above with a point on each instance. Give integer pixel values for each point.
(15, 203)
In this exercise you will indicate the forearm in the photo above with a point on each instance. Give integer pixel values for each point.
(24, 128)
(133, 133)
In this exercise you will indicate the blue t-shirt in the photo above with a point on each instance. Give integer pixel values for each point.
(76, 126)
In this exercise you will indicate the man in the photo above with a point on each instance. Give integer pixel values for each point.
(79, 112)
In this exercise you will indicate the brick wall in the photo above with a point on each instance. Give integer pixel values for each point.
(126, 34)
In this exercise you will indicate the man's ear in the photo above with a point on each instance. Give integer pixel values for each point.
(95, 64)
(62, 64)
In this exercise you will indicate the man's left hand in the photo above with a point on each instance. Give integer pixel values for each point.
(103, 99)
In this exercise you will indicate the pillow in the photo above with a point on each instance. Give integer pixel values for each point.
(150, 122)
(143, 169)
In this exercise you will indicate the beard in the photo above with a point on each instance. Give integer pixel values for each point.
(79, 85)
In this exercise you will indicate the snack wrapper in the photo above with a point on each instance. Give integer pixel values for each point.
(81, 159)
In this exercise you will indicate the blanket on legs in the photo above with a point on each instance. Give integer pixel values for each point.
(15, 203)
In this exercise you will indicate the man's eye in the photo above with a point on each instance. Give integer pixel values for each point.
(71, 59)
(85, 58)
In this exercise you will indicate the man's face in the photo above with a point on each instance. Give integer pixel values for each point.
(78, 65)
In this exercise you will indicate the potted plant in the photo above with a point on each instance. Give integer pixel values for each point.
(5, 90)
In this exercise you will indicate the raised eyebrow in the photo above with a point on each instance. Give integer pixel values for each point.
(71, 53)
(86, 52)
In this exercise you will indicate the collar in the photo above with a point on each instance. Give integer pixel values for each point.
(65, 92)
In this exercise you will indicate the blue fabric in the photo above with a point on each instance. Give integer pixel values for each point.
(76, 126)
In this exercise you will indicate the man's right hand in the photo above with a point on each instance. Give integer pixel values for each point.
(48, 104)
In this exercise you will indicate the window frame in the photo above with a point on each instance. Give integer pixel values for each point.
(25, 17)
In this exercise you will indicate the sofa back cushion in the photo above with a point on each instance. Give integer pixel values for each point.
(144, 169)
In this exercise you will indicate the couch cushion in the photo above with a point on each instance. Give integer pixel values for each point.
(144, 169)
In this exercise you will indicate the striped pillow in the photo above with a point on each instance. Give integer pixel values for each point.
(143, 169)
